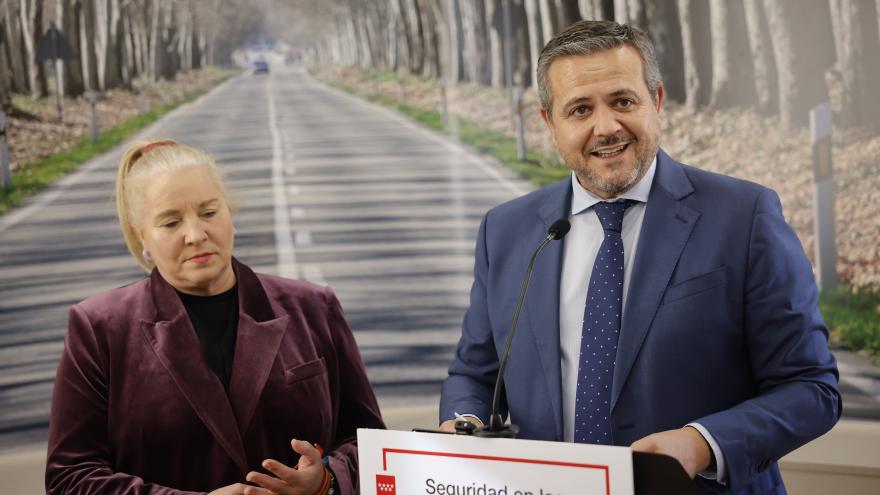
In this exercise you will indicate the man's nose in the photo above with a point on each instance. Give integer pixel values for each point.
(605, 122)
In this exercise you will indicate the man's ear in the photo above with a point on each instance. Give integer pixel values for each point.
(548, 121)
(661, 93)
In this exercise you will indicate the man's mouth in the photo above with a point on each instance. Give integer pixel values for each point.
(610, 152)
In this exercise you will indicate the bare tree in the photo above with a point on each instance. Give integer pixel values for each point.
(665, 31)
(567, 13)
(494, 23)
(696, 45)
(762, 57)
(597, 10)
(732, 73)
(30, 19)
(549, 19)
(803, 46)
(858, 45)
(536, 38)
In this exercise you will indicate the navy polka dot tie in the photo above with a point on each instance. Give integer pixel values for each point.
(600, 330)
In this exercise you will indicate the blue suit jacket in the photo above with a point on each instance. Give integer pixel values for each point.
(720, 327)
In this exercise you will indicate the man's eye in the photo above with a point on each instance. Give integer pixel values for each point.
(580, 110)
(624, 103)
(209, 213)
(170, 225)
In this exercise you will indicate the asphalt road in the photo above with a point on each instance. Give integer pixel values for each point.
(332, 190)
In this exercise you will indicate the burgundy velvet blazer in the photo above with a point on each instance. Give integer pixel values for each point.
(136, 409)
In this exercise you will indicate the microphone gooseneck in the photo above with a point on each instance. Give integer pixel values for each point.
(496, 427)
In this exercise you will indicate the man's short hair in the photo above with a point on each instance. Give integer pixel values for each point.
(590, 37)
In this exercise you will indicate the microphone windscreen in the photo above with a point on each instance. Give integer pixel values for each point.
(559, 229)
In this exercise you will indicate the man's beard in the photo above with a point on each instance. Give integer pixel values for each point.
(616, 185)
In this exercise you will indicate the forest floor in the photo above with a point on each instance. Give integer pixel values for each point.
(43, 148)
(34, 131)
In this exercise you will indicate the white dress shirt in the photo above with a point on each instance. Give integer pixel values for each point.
(580, 250)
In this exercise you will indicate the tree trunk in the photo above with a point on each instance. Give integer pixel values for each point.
(567, 13)
(536, 39)
(666, 33)
(621, 11)
(519, 51)
(154, 38)
(693, 16)
(12, 47)
(859, 66)
(27, 15)
(431, 68)
(494, 23)
(803, 47)
(733, 81)
(637, 14)
(761, 46)
(416, 39)
(597, 10)
(73, 73)
(549, 20)
(473, 24)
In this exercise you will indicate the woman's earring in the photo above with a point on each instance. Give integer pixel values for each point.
(146, 255)
(234, 231)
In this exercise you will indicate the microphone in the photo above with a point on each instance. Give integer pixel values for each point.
(496, 426)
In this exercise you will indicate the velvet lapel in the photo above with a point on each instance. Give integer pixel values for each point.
(256, 347)
(176, 345)
(542, 300)
(667, 226)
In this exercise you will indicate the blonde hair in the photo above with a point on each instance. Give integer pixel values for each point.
(141, 160)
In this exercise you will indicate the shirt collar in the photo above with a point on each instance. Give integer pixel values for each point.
(582, 199)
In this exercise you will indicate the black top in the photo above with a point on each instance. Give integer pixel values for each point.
(215, 319)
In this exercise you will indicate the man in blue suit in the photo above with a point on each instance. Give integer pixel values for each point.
(678, 316)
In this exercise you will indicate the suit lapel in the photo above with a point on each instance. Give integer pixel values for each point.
(542, 302)
(667, 226)
(176, 346)
(256, 346)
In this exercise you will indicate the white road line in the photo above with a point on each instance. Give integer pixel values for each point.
(313, 274)
(283, 240)
(303, 238)
(868, 385)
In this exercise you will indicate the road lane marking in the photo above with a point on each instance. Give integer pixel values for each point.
(283, 240)
(313, 274)
(303, 238)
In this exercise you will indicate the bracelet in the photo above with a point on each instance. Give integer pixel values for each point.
(326, 486)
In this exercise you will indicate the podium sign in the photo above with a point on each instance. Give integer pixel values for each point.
(406, 463)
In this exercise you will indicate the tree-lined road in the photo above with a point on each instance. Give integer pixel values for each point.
(332, 190)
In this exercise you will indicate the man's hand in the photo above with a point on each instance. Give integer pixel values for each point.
(686, 445)
(449, 425)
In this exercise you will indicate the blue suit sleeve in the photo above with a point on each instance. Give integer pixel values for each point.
(795, 375)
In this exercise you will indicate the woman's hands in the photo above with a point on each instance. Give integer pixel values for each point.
(303, 479)
(233, 489)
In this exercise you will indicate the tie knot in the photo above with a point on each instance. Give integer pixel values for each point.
(611, 214)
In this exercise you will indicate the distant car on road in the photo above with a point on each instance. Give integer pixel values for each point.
(261, 67)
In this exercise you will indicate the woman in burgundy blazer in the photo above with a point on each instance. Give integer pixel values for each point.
(137, 408)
